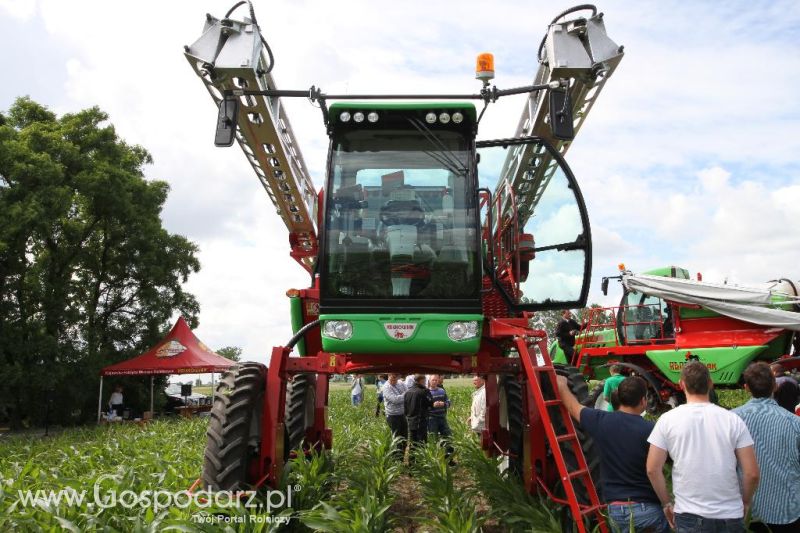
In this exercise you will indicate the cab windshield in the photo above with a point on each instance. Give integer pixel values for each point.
(401, 219)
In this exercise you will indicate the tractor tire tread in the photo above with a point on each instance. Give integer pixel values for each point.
(299, 391)
(513, 392)
(227, 448)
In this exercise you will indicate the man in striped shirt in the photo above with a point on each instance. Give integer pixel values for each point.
(437, 416)
(776, 433)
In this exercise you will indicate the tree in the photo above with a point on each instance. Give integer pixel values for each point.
(88, 275)
(234, 353)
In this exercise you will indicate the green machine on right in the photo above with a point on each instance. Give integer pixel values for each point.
(665, 319)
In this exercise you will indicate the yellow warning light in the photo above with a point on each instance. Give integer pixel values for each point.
(293, 293)
(621, 267)
(484, 67)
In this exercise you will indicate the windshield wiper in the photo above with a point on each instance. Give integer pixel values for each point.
(443, 155)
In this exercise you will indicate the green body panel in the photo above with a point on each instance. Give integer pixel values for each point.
(296, 311)
(778, 347)
(600, 338)
(429, 336)
(687, 313)
(669, 272)
(557, 354)
(781, 301)
(725, 364)
(466, 108)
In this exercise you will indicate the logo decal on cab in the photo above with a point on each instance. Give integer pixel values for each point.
(400, 330)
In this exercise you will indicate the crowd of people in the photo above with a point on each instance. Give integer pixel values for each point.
(724, 463)
(416, 406)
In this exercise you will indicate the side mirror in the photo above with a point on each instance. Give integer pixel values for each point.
(604, 286)
(561, 115)
(226, 121)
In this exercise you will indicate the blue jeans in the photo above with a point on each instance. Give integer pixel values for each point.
(357, 398)
(647, 516)
(691, 523)
(438, 427)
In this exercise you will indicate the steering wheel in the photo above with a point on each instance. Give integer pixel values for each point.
(405, 212)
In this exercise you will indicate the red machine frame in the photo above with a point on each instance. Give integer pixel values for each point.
(541, 469)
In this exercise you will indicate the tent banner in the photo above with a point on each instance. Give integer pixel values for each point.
(166, 371)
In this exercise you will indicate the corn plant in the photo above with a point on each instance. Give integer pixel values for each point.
(511, 504)
(452, 510)
(364, 498)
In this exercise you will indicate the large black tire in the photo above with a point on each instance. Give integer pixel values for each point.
(234, 431)
(580, 389)
(301, 393)
(511, 417)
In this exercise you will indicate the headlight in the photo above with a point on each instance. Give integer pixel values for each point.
(345, 116)
(338, 329)
(430, 118)
(444, 118)
(457, 118)
(460, 331)
(358, 117)
(372, 117)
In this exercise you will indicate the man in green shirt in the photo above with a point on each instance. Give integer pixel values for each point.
(611, 385)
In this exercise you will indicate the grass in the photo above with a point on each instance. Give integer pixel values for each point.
(356, 487)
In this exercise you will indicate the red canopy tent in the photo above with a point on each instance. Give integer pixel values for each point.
(180, 352)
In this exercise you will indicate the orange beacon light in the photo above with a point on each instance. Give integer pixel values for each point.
(484, 67)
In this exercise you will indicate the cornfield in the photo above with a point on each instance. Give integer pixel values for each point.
(358, 487)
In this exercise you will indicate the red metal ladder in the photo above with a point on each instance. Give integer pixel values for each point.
(537, 365)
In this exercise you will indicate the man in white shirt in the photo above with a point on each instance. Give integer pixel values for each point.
(357, 390)
(477, 413)
(115, 403)
(706, 442)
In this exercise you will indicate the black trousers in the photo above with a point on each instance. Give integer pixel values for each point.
(419, 435)
(399, 428)
(569, 351)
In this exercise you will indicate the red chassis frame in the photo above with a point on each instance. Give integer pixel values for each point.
(266, 469)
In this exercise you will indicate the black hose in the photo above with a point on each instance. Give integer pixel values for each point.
(255, 23)
(235, 6)
(300, 333)
(581, 7)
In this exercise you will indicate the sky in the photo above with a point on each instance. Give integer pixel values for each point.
(691, 155)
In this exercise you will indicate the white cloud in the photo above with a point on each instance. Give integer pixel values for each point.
(689, 156)
(714, 179)
(19, 9)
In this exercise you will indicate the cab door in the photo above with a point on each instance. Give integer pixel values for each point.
(542, 246)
